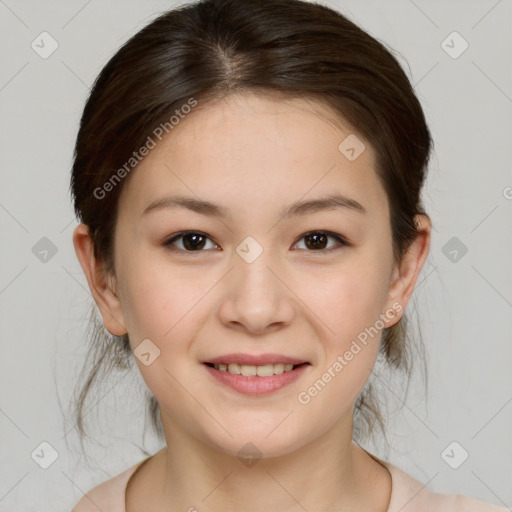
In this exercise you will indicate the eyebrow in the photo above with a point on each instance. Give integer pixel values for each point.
(330, 202)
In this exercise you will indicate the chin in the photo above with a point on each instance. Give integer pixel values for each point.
(257, 438)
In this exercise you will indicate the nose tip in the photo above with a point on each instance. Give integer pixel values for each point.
(256, 300)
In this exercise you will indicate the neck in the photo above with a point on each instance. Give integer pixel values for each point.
(331, 473)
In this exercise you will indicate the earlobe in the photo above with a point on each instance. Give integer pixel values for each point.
(101, 285)
(405, 275)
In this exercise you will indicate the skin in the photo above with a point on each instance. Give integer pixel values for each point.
(254, 155)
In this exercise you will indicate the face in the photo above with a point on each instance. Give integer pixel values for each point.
(255, 278)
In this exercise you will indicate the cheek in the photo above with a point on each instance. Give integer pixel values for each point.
(155, 298)
(349, 305)
(347, 301)
(164, 307)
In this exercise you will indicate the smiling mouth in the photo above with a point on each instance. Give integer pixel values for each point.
(247, 370)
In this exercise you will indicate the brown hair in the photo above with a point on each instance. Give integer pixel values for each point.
(212, 48)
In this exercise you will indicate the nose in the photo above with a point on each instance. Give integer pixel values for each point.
(256, 298)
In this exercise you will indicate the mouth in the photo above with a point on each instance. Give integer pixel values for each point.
(248, 370)
(266, 374)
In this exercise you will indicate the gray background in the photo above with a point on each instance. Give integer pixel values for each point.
(465, 306)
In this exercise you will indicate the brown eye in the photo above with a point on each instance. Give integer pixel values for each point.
(192, 241)
(318, 241)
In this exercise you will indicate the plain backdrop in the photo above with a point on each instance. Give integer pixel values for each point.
(463, 299)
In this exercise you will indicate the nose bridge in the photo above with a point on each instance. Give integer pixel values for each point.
(252, 274)
(256, 297)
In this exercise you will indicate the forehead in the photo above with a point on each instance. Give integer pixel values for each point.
(252, 150)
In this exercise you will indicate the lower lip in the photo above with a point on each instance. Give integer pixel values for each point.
(257, 385)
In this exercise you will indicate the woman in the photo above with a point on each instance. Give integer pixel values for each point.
(248, 175)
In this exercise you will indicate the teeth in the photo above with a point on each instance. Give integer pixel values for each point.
(234, 369)
(248, 371)
(266, 370)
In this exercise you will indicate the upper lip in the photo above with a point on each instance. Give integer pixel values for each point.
(255, 360)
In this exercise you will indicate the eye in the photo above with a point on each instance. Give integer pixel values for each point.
(195, 241)
(317, 240)
(192, 241)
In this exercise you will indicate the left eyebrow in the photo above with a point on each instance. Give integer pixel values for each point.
(331, 202)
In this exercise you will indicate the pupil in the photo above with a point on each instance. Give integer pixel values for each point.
(319, 239)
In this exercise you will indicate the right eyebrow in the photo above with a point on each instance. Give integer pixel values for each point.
(191, 203)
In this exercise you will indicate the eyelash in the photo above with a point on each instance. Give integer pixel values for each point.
(342, 242)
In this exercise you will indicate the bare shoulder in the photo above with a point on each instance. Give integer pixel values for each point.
(84, 505)
(108, 495)
(411, 495)
(100, 497)
(469, 504)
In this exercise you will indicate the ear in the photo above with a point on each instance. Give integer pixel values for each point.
(102, 286)
(405, 275)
